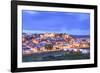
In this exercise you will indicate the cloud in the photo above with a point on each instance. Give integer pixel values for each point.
(31, 12)
(73, 32)
(76, 31)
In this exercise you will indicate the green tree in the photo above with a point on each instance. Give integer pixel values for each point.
(49, 46)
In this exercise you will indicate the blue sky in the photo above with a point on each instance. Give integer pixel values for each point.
(58, 22)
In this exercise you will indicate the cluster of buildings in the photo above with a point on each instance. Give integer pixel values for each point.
(37, 43)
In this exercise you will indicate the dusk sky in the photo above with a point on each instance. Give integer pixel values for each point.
(58, 22)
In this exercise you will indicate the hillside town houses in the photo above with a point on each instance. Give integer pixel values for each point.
(37, 43)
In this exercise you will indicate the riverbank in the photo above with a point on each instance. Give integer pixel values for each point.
(54, 56)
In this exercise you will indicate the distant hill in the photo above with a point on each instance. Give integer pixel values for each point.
(81, 36)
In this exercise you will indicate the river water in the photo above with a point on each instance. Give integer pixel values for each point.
(55, 55)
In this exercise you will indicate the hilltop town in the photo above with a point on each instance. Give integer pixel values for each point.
(47, 42)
